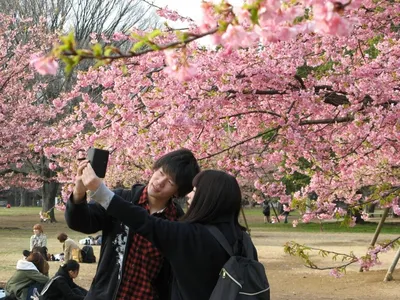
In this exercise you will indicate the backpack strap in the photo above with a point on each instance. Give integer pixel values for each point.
(220, 238)
(248, 246)
(46, 287)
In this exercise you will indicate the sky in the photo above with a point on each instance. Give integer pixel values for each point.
(189, 8)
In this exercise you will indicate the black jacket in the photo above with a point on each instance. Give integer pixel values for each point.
(62, 287)
(196, 257)
(90, 218)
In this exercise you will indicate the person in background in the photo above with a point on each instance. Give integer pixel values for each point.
(130, 266)
(28, 277)
(266, 211)
(62, 285)
(68, 245)
(196, 257)
(38, 239)
(43, 252)
(284, 211)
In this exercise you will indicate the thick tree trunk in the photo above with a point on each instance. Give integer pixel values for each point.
(23, 197)
(49, 190)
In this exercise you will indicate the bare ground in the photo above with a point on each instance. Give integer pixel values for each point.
(289, 279)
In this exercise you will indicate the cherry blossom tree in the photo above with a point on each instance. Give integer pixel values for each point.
(29, 33)
(25, 113)
(317, 96)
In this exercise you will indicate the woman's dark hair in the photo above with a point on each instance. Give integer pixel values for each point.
(71, 265)
(62, 237)
(37, 259)
(182, 166)
(217, 197)
(42, 250)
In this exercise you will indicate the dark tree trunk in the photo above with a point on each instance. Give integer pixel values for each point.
(23, 197)
(49, 189)
(371, 209)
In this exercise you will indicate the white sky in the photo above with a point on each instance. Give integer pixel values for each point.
(188, 8)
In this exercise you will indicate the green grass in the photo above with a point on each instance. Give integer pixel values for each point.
(20, 211)
(255, 221)
(254, 218)
(368, 227)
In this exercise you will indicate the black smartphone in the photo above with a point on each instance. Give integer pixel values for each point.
(98, 158)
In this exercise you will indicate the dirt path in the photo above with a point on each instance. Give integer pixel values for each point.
(289, 279)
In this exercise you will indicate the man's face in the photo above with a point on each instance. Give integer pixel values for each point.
(161, 186)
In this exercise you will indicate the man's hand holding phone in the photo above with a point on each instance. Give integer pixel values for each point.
(89, 172)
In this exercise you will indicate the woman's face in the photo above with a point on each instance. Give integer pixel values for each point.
(190, 197)
(36, 231)
(73, 274)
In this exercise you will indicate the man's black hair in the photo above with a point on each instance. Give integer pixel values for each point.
(182, 166)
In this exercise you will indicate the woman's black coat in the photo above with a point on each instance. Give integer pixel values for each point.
(63, 288)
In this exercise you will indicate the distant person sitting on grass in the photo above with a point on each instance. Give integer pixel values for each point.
(43, 252)
(27, 277)
(38, 239)
(68, 245)
(62, 286)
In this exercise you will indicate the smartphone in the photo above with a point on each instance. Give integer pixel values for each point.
(98, 158)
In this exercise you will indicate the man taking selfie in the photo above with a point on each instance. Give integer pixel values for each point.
(130, 267)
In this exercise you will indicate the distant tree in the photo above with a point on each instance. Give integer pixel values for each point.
(25, 97)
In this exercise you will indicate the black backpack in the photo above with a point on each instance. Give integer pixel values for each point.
(240, 277)
(88, 254)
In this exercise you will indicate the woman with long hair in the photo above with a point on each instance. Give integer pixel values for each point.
(27, 277)
(195, 255)
(62, 285)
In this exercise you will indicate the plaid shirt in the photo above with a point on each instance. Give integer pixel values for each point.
(144, 261)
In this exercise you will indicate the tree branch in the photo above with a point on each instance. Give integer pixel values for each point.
(327, 121)
(243, 142)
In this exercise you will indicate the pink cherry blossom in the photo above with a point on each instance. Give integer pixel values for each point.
(44, 65)
(236, 36)
(336, 273)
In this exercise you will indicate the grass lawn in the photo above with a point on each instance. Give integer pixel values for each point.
(255, 221)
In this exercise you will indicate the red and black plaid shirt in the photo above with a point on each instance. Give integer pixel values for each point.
(144, 261)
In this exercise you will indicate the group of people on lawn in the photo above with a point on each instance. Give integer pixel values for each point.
(32, 272)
